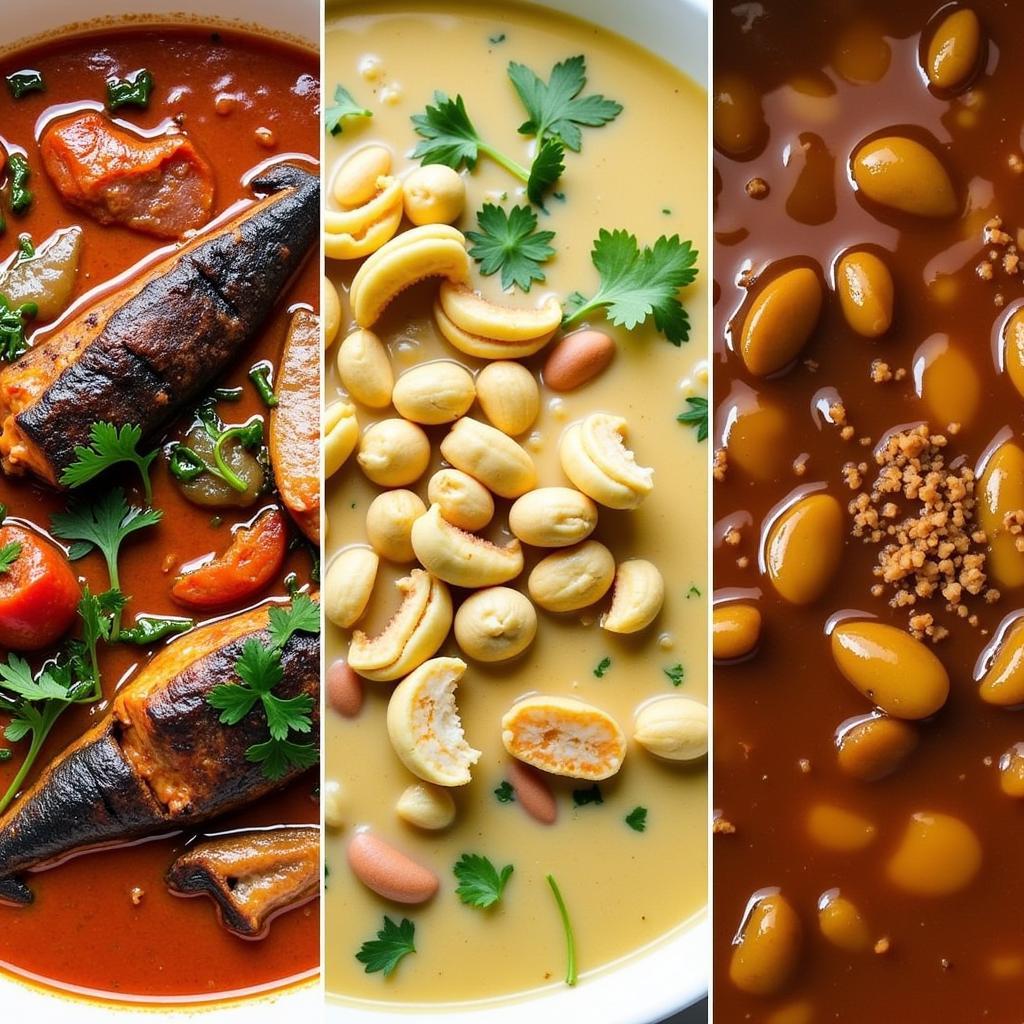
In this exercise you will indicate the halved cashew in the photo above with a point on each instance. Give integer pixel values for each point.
(564, 736)
(356, 180)
(572, 578)
(486, 454)
(424, 725)
(353, 234)
(460, 558)
(673, 727)
(495, 624)
(349, 584)
(637, 597)
(341, 435)
(415, 632)
(434, 250)
(595, 458)
(488, 331)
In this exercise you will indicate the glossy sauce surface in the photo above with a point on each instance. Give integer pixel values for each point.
(84, 932)
(825, 85)
(624, 889)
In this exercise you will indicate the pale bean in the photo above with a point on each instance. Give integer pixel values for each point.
(491, 457)
(874, 746)
(865, 289)
(577, 359)
(572, 578)
(735, 630)
(894, 671)
(533, 792)
(1003, 681)
(509, 396)
(495, 624)
(464, 502)
(389, 872)
(1011, 771)
(434, 194)
(355, 182)
(781, 320)
(341, 435)
(335, 804)
(838, 829)
(553, 517)
(902, 174)
(954, 50)
(937, 856)
(389, 522)
(1001, 493)
(842, 924)
(767, 948)
(349, 584)
(434, 393)
(804, 548)
(674, 728)
(344, 689)
(394, 453)
(426, 806)
(365, 369)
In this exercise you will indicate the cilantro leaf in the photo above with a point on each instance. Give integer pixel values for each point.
(480, 883)
(8, 556)
(637, 819)
(288, 714)
(556, 109)
(278, 757)
(16, 677)
(675, 674)
(582, 797)
(344, 105)
(505, 794)
(393, 942)
(696, 416)
(602, 666)
(301, 616)
(109, 446)
(546, 169)
(637, 283)
(260, 667)
(233, 701)
(511, 243)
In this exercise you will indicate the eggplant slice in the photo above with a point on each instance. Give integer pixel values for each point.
(251, 876)
(141, 353)
(161, 760)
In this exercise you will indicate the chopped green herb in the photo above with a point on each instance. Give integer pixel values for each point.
(480, 883)
(637, 819)
(665, 210)
(393, 942)
(131, 91)
(13, 320)
(556, 109)
(602, 666)
(260, 669)
(582, 797)
(694, 591)
(21, 197)
(226, 394)
(150, 628)
(8, 556)
(260, 377)
(216, 521)
(571, 976)
(344, 105)
(696, 416)
(675, 674)
(637, 283)
(495, 39)
(23, 82)
(6, 754)
(109, 446)
(511, 243)
(449, 138)
(26, 248)
(505, 793)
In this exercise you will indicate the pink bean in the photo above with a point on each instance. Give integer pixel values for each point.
(344, 689)
(533, 792)
(389, 872)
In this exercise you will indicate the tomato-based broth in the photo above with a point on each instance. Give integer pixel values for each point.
(106, 923)
(864, 861)
(625, 883)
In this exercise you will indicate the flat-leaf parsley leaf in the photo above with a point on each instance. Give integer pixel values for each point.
(675, 674)
(344, 105)
(511, 243)
(107, 447)
(393, 942)
(480, 882)
(696, 416)
(637, 819)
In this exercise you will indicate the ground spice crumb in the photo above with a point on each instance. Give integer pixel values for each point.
(757, 188)
(880, 371)
(733, 536)
(721, 463)
(804, 765)
(837, 414)
(882, 946)
(900, 374)
(847, 433)
(136, 895)
(742, 562)
(800, 464)
(722, 826)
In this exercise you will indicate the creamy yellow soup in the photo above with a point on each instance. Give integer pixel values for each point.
(645, 172)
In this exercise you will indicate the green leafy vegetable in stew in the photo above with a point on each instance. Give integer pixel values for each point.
(131, 91)
(344, 105)
(21, 83)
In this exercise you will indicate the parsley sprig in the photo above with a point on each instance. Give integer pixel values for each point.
(637, 283)
(481, 884)
(344, 105)
(637, 819)
(511, 243)
(8, 556)
(393, 942)
(13, 322)
(260, 670)
(696, 416)
(448, 137)
(556, 109)
(107, 447)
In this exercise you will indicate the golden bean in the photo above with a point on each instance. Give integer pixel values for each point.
(902, 174)
(804, 548)
(1011, 771)
(841, 923)
(865, 292)
(509, 396)
(874, 746)
(758, 435)
(1001, 493)
(954, 51)
(1013, 351)
(893, 670)
(394, 453)
(365, 369)
(389, 522)
(937, 856)
(781, 319)
(767, 948)
(1003, 682)
(735, 630)
(739, 125)
(837, 829)
(948, 381)
(862, 54)
(434, 393)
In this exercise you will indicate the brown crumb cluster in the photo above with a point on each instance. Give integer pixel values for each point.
(921, 510)
(1002, 256)
(757, 188)
(720, 465)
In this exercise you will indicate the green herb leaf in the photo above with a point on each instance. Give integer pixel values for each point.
(546, 169)
(593, 795)
(602, 666)
(497, 38)
(505, 793)
(20, 172)
(637, 283)
(480, 883)
(696, 416)
(22, 82)
(148, 629)
(278, 757)
(301, 616)
(571, 976)
(108, 447)
(344, 105)
(675, 674)
(694, 591)
(9, 555)
(131, 91)
(637, 819)
(393, 942)
(511, 243)
(13, 321)
(260, 377)
(556, 108)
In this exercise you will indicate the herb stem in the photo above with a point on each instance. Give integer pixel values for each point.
(515, 169)
(226, 473)
(571, 976)
(38, 739)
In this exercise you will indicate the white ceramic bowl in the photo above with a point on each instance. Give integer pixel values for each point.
(25, 20)
(673, 973)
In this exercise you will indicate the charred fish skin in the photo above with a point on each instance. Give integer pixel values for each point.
(161, 760)
(15, 892)
(161, 348)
